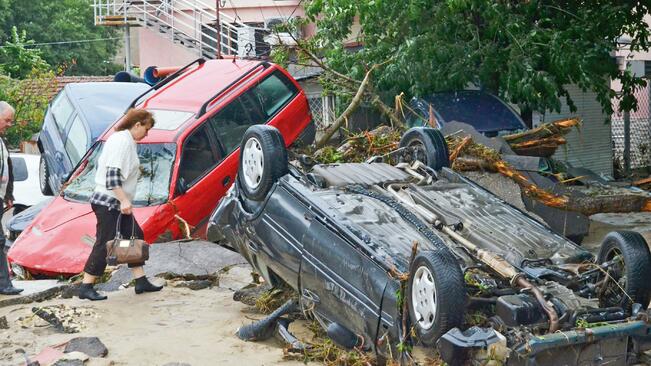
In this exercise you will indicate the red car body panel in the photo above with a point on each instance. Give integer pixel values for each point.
(60, 238)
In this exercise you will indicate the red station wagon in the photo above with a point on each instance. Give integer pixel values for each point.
(188, 160)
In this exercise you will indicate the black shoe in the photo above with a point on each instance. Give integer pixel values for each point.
(143, 285)
(10, 290)
(86, 291)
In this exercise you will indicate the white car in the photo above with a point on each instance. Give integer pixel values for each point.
(27, 191)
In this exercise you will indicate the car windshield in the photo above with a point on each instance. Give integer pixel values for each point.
(156, 161)
(483, 111)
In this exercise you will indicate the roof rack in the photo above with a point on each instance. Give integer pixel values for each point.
(203, 108)
(158, 85)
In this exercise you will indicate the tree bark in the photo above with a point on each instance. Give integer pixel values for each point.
(357, 99)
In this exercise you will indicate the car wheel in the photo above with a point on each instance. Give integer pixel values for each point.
(627, 280)
(263, 160)
(426, 145)
(437, 295)
(44, 177)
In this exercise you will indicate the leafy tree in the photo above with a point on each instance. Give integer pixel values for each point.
(18, 61)
(48, 21)
(30, 99)
(525, 51)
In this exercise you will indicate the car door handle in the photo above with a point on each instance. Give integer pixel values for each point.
(226, 180)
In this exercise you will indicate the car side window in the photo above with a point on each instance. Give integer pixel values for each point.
(198, 156)
(255, 106)
(76, 142)
(273, 93)
(61, 111)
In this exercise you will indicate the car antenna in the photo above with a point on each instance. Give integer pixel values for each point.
(158, 85)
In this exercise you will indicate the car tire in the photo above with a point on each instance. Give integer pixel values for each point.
(44, 177)
(436, 294)
(263, 160)
(429, 145)
(635, 274)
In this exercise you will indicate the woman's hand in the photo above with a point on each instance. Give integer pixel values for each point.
(125, 207)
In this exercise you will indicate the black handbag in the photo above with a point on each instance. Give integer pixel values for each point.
(120, 250)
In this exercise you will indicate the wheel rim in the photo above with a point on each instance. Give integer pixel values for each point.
(253, 162)
(423, 297)
(419, 152)
(612, 292)
(41, 174)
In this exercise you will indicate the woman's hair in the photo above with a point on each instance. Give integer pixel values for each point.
(134, 116)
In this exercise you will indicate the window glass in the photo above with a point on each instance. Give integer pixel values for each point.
(77, 140)
(156, 162)
(169, 120)
(273, 92)
(197, 157)
(19, 168)
(61, 111)
(256, 106)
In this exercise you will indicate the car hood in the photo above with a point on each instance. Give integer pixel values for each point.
(20, 221)
(61, 237)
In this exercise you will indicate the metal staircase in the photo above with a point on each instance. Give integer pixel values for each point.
(191, 23)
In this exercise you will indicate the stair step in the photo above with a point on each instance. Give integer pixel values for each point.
(118, 17)
(117, 23)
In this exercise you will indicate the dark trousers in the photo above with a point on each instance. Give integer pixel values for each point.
(5, 280)
(107, 220)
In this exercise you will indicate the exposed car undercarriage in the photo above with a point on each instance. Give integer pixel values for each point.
(542, 299)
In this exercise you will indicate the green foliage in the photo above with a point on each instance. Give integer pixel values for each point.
(48, 21)
(18, 61)
(524, 51)
(30, 101)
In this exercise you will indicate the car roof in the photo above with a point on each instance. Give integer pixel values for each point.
(102, 103)
(194, 87)
(190, 91)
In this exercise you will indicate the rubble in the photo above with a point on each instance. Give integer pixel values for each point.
(64, 318)
(90, 346)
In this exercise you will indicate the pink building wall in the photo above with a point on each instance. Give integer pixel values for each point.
(156, 50)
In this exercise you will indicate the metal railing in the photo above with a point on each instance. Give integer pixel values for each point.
(189, 22)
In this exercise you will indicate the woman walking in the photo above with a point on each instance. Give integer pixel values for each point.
(117, 174)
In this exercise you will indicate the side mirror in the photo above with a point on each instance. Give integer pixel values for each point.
(181, 186)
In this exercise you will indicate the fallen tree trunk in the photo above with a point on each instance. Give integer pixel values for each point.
(556, 128)
(486, 159)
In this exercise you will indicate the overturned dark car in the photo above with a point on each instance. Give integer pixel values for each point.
(342, 236)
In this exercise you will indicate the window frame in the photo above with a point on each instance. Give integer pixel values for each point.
(215, 148)
(249, 92)
(62, 126)
(76, 117)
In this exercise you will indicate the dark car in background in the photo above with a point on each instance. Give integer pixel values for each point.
(74, 120)
(487, 113)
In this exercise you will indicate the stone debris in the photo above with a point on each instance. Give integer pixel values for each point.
(64, 318)
(250, 294)
(75, 355)
(66, 362)
(90, 346)
(191, 281)
(3, 322)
